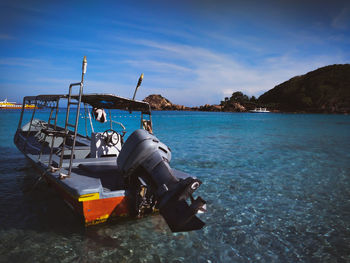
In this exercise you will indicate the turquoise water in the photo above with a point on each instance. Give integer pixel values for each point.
(277, 187)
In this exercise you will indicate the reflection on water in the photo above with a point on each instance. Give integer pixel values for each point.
(277, 187)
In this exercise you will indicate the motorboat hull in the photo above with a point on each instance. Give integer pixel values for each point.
(91, 194)
(89, 207)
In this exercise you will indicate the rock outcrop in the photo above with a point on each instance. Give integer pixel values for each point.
(235, 107)
(158, 102)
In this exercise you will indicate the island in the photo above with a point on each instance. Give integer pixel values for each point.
(324, 90)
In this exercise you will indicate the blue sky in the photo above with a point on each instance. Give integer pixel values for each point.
(192, 52)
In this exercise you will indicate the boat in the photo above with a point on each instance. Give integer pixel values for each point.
(260, 110)
(13, 105)
(101, 176)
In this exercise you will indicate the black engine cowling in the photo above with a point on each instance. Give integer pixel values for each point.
(144, 158)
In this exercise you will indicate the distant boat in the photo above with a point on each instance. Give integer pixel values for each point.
(260, 110)
(13, 105)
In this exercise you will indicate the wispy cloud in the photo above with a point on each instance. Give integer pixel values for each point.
(22, 62)
(67, 44)
(209, 75)
(342, 20)
(158, 66)
(150, 28)
(247, 42)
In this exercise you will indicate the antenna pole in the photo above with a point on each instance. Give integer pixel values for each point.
(83, 69)
(137, 86)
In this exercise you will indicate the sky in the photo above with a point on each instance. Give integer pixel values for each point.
(192, 52)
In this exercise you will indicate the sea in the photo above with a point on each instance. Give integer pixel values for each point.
(277, 188)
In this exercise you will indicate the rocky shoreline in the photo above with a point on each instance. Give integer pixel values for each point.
(158, 102)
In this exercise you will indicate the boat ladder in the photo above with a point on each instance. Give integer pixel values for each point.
(71, 129)
(72, 133)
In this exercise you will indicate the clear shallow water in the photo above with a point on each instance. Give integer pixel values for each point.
(277, 187)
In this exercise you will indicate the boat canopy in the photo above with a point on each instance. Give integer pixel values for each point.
(105, 101)
(49, 97)
(110, 101)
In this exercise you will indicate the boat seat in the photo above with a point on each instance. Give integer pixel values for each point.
(39, 136)
(80, 185)
(57, 142)
(81, 149)
(36, 125)
(48, 135)
(80, 152)
(109, 174)
(61, 134)
(55, 133)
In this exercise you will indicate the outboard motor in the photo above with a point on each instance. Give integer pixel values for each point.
(145, 159)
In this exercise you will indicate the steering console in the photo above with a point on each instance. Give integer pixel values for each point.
(111, 137)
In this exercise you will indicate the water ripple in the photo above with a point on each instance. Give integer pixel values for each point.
(277, 188)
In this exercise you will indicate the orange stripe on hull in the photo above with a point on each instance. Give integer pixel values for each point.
(93, 211)
(98, 211)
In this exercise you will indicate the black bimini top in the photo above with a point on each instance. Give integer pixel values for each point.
(110, 101)
(105, 101)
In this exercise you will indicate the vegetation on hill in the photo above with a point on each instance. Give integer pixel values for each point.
(239, 102)
(326, 89)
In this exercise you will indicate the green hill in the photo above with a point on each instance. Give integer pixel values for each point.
(326, 89)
